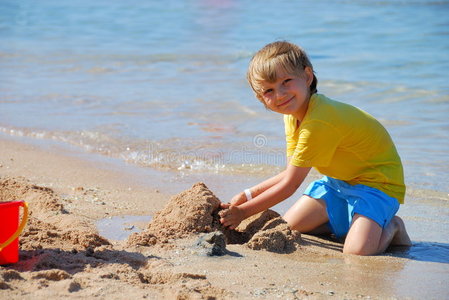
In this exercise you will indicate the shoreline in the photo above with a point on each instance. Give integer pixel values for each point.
(91, 190)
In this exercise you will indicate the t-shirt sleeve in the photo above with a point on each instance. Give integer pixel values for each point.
(316, 144)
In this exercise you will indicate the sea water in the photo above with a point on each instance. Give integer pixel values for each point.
(161, 85)
(119, 228)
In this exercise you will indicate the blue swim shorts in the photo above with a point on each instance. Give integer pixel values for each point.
(344, 200)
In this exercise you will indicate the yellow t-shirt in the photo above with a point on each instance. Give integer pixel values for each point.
(346, 143)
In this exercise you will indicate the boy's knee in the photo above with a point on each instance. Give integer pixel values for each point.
(301, 225)
(358, 251)
(357, 247)
(294, 224)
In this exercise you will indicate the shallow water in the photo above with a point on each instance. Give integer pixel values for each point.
(425, 251)
(162, 85)
(119, 228)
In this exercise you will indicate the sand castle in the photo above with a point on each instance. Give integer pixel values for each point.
(196, 210)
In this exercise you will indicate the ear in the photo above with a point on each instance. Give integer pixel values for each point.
(309, 75)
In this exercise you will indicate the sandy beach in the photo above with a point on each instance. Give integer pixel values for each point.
(62, 254)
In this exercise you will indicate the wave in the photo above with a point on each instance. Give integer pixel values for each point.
(167, 155)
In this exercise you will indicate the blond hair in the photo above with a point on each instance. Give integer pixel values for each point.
(276, 56)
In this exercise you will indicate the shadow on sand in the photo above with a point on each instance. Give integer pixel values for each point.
(75, 261)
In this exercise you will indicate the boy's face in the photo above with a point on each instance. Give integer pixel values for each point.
(289, 94)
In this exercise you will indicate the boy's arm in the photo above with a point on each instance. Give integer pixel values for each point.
(256, 190)
(291, 180)
(265, 185)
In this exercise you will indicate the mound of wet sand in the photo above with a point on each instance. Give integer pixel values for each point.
(192, 211)
(40, 199)
(275, 236)
(196, 210)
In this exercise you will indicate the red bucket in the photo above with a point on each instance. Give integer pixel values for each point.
(10, 230)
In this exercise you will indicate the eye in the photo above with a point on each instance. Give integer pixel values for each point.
(266, 92)
(286, 81)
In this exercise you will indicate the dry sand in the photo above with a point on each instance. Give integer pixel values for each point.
(183, 253)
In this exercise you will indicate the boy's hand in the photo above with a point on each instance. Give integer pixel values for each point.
(238, 199)
(231, 217)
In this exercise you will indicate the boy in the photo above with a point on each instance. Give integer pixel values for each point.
(359, 195)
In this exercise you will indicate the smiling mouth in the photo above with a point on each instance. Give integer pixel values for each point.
(285, 102)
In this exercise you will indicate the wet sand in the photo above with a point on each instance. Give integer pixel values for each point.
(63, 255)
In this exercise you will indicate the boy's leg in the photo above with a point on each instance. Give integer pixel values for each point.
(307, 215)
(366, 237)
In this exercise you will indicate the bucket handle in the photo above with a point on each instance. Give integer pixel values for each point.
(20, 229)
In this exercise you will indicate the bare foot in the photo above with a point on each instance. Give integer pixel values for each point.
(401, 237)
